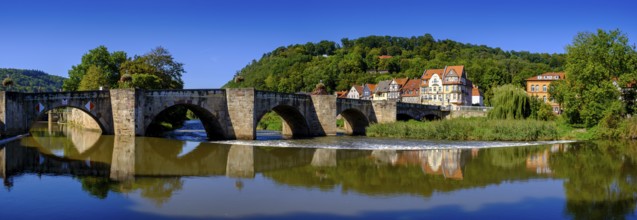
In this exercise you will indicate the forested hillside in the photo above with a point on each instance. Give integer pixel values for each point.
(298, 68)
(30, 80)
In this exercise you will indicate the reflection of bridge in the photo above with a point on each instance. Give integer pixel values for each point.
(226, 114)
(130, 157)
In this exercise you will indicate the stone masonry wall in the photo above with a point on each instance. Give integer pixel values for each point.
(78, 118)
(123, 104)
(325, 106)
(241, 111)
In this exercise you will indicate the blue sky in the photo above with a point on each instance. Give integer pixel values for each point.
(214, 39)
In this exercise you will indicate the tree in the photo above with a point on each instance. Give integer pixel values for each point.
(95, 78)
(168, 70)
(99, 57)
(510, 102)
(593, 62)
(154, 70)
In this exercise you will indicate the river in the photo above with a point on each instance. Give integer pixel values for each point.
(67, 173)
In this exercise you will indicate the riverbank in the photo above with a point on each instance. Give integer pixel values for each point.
(469, 129)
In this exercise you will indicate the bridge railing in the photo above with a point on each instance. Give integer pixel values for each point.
(467, 108)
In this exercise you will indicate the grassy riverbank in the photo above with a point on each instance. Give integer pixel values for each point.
(469, 129)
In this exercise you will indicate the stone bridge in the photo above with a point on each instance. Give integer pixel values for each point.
(225, 113)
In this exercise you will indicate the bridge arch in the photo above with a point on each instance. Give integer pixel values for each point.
(294, 122)
(211, 124)
(97, 117)
(406, 117)
(356, 121)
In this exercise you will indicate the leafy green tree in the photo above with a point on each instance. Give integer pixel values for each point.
(510, 102)
(99, 57)
(593, 61)
(94, 78)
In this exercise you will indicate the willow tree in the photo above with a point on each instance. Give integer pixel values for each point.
(510, 102)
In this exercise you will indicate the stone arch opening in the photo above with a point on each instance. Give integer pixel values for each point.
(355, 122)
(405, 117)
(174, 117)
(294, 124)
(431, 117)
(68, 114)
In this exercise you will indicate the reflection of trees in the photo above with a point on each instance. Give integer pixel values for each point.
(600, 179)
(158, 190)
(96, 186)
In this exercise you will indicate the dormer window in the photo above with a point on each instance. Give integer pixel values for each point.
(539, 77)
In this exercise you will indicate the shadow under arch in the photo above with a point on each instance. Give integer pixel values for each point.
(44, 114)
(431, 117)
(214, 130)
(405, 117)
(294, 126)
(356, 122)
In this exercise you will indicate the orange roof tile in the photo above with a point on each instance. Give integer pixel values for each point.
(475, 91)
(359, 89)
(414, 86)
(401, 81)
(371, 87)
(384, 57)
(547, 77)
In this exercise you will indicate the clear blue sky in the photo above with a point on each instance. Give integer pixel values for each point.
(214, 39)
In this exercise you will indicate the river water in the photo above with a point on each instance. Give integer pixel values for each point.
(66, 173)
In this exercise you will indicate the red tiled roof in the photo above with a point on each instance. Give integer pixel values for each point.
(371, 87)
(414, 86)
(401, 81)
(550, 77)
(475, 91)
(359, 89)
(384, 57)
(341, 94)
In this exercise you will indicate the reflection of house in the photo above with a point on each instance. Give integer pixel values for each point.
(538, 87)
(539, 162)
(447, 163)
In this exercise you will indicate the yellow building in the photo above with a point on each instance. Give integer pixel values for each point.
(538, 87)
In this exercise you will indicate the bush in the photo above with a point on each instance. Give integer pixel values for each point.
(468, 129)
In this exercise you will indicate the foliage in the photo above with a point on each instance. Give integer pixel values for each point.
(101, 58)
(593, 61)
(7, 82)
(510, 102)
(31, 80)
(153, 70)
(299, 67)
(270, 121)
(468, 129)
(94, 78)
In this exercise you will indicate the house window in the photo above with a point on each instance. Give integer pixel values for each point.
(544, 98)
(544, 88)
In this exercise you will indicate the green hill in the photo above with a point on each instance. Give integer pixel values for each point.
(30, 80)
(298, 68)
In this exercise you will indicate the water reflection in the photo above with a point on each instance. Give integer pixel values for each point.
(597, 179)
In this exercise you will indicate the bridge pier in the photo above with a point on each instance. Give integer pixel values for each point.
(240, 162)
(241, 111)
(385, 111)
(123, 162)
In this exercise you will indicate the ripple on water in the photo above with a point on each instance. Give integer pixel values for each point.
(367, 143)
